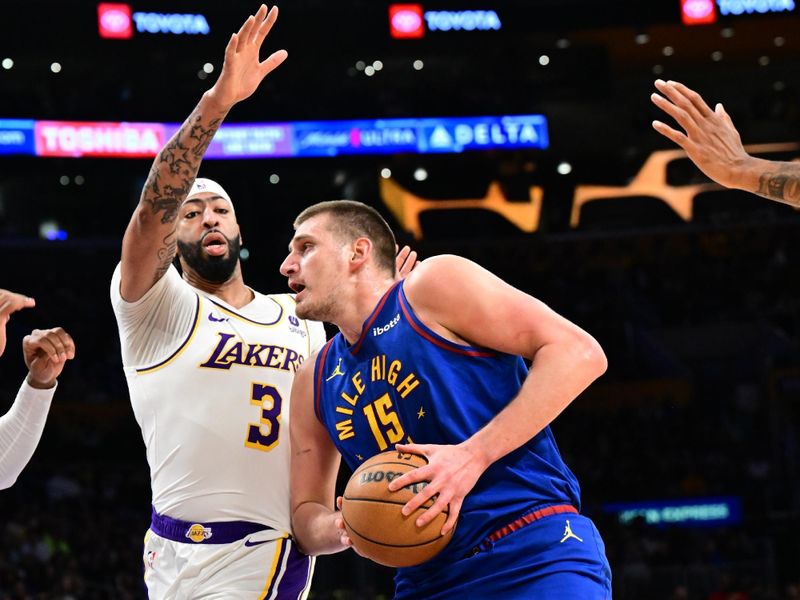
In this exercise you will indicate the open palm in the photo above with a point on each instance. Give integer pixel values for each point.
(242, 71)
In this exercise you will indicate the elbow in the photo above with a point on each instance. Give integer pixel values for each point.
(595, 357)
(591, 357)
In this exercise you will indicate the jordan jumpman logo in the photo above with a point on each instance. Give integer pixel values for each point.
(568, 534)
(336, 371)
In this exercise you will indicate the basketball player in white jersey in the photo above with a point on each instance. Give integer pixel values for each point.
(209, 364)
(45, 353)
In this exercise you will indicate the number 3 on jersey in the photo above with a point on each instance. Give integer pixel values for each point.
(264, 435)
(384, 420)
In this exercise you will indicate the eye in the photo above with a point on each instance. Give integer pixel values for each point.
(222, 211)
(190, 214)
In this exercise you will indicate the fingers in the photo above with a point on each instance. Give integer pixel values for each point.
(35, 345)
(230, 49)
(421, 449)
(419, 475)
(11, 302)
(265, 26)
(55, 343)
(720, 110)
(452, 517)
(243, 34)
(256, 27)
(686, 106)
(667, 131)
(65, 344)
(674, 111)
(273, 62)
(258, 20)
(344, 539)
(693, 97)
(406, 261)
(440, 504)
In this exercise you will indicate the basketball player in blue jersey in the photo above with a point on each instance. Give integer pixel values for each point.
(433, 364)
(712, 142)
(45, 352)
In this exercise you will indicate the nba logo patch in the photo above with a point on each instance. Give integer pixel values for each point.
(197, 533)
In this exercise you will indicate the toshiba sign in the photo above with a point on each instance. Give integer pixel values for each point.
(411, 21)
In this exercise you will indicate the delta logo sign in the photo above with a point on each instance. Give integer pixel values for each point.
(409, 21)
(118, 21)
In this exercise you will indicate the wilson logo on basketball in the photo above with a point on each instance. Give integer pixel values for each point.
(387, 476)
(378, 476)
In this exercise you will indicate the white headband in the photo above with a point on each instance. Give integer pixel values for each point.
(201, 185)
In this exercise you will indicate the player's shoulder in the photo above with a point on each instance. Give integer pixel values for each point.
(438, 272)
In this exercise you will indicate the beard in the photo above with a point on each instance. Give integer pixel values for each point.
(324, 310)
(216, 269)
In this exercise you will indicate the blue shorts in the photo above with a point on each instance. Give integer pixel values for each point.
(559, 557)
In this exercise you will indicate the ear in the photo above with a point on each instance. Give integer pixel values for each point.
(360, 252)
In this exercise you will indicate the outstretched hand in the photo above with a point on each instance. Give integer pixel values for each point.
(451, 473)
(709, 137)
(242, 72)
(46, 351)
(10, 303)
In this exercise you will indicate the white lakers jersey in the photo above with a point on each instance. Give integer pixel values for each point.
(213, 404)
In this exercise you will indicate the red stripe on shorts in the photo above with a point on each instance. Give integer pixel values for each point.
(524, 520)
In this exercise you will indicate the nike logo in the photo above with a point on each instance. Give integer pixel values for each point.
(214, 319)
(248, 543)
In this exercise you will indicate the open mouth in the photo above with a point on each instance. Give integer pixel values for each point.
(215, 244)
(296, 287)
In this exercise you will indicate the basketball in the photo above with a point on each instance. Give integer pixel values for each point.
(372, 516)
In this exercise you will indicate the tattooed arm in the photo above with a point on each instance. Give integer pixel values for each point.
(150, 239)
(714, 145)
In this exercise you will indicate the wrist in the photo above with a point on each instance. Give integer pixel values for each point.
(746, 174)
(479, 451)
(40, 385)
(214, 100)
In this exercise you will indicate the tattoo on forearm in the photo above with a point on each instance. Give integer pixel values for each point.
(782, 185)
(171, 175)
(165, 255)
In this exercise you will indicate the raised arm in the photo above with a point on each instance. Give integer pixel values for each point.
(566, 359)
(315, 464)
(150, 241)
(714, 145)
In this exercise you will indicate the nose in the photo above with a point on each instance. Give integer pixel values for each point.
(288, 266)
(210, 218)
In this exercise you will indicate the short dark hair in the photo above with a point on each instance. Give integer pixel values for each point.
(352, 220)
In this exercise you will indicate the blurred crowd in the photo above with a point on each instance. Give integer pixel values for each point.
(701, 325)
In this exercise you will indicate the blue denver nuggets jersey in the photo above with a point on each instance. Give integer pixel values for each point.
(401, 382)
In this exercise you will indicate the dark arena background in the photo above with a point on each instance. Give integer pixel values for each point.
(687, 449)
